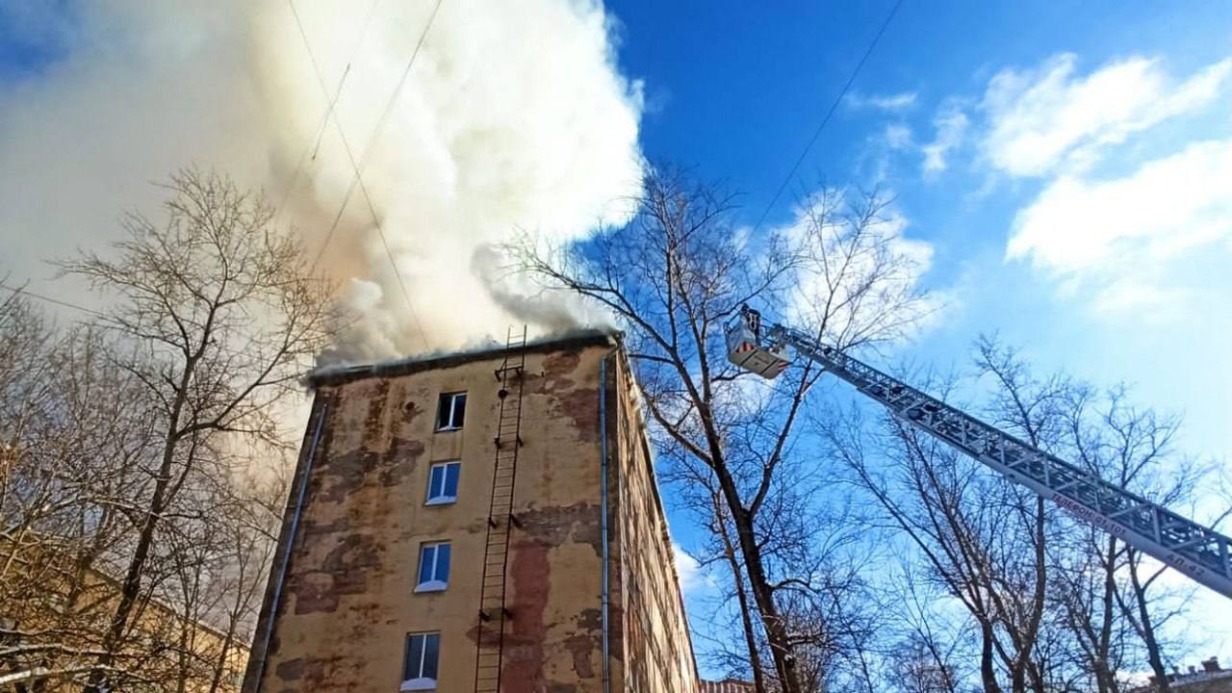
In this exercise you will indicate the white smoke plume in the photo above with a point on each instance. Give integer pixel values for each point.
(514, 116)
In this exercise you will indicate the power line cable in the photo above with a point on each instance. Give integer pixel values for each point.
(314, 146)
(376, 133)
(829, 114)
(49, 299)
(358, 165)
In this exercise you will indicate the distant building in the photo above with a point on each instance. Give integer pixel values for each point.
(52, 637)
(476, 519)
(1211, 678)
(728, 686)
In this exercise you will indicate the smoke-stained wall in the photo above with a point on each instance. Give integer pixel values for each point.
(654, 638)
(349, 600)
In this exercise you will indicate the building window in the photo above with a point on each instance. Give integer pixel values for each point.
(451, 411)
(422, 652)
(433, 567)
(443, 483)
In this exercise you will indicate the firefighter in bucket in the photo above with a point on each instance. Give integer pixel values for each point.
(744, 347)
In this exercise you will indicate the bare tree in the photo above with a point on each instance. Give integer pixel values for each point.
(747, 660)
(918, 666)
(1054, 604)
(923, 645)
(75, 437)
(1110, 439)
(674, 277)
(983, 540)
(221, 315)
(1147, 602)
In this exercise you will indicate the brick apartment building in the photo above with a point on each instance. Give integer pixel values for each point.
(477, 521)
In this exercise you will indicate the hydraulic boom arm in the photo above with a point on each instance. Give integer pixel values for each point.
(1197, 551)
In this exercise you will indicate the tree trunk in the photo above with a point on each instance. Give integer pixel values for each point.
(763, 596)
(131, 588)
(1153, 651)
(742, 598)
(988, 671)
(1105, 678)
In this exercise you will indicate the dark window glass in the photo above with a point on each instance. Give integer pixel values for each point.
(422, 652)
(414, 657)
(451, 411)
(432, 653)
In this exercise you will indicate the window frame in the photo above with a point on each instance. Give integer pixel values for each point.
(452, 398)
(420, 682)
(433, 584)
(444, 498)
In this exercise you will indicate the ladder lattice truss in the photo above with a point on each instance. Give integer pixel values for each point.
(493, 612)
(1197, 551)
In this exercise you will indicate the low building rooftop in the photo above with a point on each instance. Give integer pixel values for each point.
(344, 373)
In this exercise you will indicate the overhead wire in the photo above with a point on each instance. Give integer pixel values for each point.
(26, 292)
(314, 146)
(310, 154)
(829, 114)
(358, 165)
(357, 180)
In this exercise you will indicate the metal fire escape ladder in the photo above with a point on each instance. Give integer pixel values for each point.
(1195, 550)
(508, 439)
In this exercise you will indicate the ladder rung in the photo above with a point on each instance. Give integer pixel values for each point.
(507, 438)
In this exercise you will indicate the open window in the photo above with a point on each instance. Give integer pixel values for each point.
(451, 411)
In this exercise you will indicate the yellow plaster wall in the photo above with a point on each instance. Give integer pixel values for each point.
(348, 601)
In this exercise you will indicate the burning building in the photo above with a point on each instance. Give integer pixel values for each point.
(477, 521)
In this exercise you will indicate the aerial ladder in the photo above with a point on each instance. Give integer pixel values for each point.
(1193, 549)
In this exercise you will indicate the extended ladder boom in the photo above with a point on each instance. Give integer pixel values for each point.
(1197, 551)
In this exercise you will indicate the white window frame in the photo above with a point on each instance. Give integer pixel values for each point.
(443, 498)
(433, 585)
(420, 683)
(453, 410)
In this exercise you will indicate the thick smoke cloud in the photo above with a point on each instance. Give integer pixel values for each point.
(513, 117)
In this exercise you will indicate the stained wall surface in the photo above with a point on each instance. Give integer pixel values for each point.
(348, 599)
(657, 652)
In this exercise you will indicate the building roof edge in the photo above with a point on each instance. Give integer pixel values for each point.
(345, 373)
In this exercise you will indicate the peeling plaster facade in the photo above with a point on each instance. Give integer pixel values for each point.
(341, 601)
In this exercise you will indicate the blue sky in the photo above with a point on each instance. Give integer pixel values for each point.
(1095, 133)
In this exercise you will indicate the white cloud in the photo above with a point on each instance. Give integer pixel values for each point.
(1119, 232)
(1141, 296)
(951, 126)
(1050, 119)
(881, 102)
(898, 136)
(689, 571)
(867, 287)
